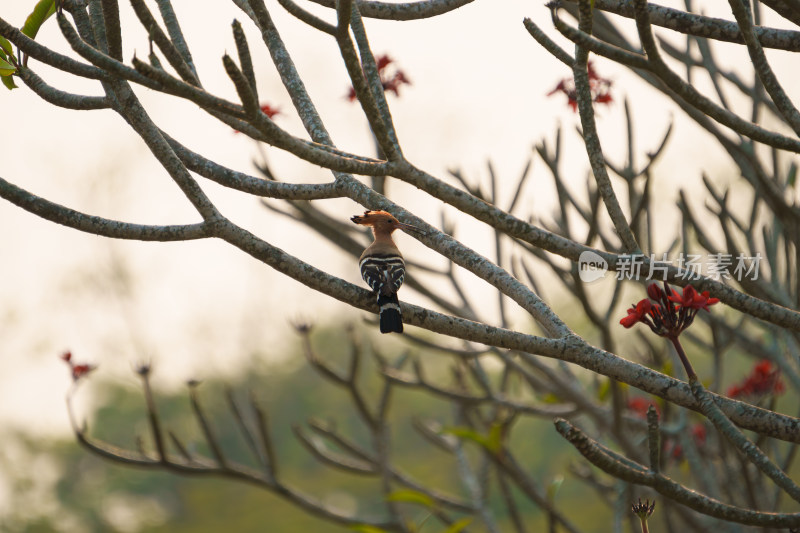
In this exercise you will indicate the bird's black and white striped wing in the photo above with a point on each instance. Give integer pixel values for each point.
(384, 274)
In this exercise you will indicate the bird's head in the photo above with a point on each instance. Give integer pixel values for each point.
(383, 222)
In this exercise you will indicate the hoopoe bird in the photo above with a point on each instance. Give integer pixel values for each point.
(382, 266)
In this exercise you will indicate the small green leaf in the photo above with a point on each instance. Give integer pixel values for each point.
(364, 528)
(6, 46)
(410, 496)
(494, 442)
(604, 390)
(6, 68)
(8, 81)
(792, 177)
(551, 398)
(552, 488)
(43, 10)
(459, 525)
(467, 434)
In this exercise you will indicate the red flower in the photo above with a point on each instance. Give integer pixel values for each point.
(390, 81)
(573, 103)
(702, 301)
(698, 432)
(599, 87)
(636, 314)
(691, 299)
(654, 292)
(560, 87)
(591, 71)
(762, 381)
(670, 312)
(640, 405)
(383, 61)
(605, 98)
(269, 110)
(78, 371)
(393, 84)
(684, 299)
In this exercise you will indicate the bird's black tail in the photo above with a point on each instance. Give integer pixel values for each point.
(391, 319)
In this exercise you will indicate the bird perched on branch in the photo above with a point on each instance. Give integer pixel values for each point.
(382, 265)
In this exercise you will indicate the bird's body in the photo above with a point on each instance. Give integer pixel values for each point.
(382, 266)
(384, 273)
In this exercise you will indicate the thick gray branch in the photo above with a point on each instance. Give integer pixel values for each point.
(97, 225)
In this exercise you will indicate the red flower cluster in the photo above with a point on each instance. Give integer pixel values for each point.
(269, 110)
(640, 405)
(762, 381)
(599, 87)
(391, 79)
(668, 313)
(78, 371)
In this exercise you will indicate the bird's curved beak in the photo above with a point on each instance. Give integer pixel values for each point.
(413, 229)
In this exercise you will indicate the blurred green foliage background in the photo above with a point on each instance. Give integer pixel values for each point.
(59, 486)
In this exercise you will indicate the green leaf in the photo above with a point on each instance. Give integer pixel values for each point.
(552, 488)
(8, 81)
(458, 526)
(791, 179)
(604, 390)
(467, 434)
(43, 10)
(6, 46)
(494, 441)
(364, 528)
(3, 54)
(6, 68)
(410, 496)
(551, 398)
